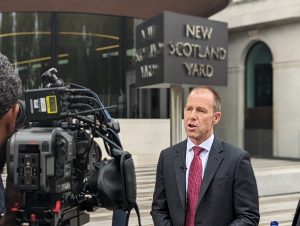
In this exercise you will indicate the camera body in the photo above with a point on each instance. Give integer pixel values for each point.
(57, 165)
(42, 159)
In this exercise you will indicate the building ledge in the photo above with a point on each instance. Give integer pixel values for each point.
(245, 13)
(132, 8)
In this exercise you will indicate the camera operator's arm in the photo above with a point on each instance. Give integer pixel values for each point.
(12, 196)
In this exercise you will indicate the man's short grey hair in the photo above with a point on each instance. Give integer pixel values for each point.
(10, 85)
(217, 98)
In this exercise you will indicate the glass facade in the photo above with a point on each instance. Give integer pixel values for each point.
(95, 51)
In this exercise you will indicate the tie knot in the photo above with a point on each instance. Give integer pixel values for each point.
(197, 150)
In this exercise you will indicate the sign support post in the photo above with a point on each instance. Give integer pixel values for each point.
(176, 113)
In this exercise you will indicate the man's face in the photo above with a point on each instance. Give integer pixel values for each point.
(199, 115)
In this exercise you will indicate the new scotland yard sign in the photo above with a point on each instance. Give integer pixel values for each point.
(176, 49)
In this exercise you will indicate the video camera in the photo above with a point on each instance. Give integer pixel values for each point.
(57, 165)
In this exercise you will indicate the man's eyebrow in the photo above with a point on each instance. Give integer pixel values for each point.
(201, 108)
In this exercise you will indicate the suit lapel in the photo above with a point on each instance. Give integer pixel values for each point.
(180, 170)
(214, 160)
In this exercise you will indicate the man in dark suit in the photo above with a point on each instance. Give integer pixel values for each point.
(227, 194)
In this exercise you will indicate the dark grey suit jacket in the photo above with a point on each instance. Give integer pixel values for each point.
(228, 194)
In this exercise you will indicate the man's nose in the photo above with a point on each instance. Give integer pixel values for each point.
(193, 114)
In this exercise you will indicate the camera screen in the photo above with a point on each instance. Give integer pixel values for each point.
(51, 104)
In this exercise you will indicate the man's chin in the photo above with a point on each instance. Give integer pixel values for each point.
(193, 138)
(192, 134)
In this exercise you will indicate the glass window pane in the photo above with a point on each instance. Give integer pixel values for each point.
(89, 54)
(25, 39)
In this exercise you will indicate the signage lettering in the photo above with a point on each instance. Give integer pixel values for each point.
(148, 71)
(185, 49)
(198, 32)
(148, 52)
(149, 33)
(199, 70)
(198, 51)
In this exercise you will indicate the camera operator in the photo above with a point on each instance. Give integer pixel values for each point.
(10, 91)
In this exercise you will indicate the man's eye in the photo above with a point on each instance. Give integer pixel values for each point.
(201, 110)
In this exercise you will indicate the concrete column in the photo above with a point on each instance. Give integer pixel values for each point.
(176, 114)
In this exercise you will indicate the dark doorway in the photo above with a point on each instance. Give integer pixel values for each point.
(258, 135)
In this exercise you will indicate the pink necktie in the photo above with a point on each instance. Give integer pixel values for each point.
(194, 186)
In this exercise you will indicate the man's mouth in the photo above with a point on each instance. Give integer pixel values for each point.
(192, 125)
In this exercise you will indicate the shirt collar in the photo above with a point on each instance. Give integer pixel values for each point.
(205, 144)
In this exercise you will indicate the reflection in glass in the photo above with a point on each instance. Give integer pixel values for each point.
(92, 43)
(25, 39)
(96, 51)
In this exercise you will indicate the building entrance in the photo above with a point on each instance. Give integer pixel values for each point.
(258, 134)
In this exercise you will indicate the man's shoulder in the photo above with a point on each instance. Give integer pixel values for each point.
(181, 146)
(230, 148)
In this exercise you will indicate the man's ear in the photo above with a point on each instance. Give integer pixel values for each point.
(217, 117)
(13, 112)
(10, 119)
